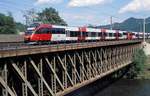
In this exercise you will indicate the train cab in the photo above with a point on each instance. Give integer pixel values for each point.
(28, 33)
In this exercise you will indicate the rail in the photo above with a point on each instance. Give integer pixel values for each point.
(28, 50)
(11, 44)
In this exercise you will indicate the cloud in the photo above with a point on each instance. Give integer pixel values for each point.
(82, 3)
(80, 19)
(136, 6)
(40, 2)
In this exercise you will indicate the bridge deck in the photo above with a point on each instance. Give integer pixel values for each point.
(28, 50)
(66, 68)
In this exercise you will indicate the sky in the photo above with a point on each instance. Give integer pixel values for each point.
(81, 12)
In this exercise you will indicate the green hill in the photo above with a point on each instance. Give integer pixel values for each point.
(131, 24)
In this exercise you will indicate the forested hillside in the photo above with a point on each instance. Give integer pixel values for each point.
(131, 24)
(47, 15)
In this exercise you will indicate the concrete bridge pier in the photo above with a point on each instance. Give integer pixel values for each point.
(146, 47)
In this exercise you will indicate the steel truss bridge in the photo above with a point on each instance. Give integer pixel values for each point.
(56, 70)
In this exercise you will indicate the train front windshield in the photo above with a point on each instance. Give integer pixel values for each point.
(29, 32)
(31, 28)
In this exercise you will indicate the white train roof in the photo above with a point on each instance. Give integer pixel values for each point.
(57, 26)
(30, 28)
(72, 28)
(111, 31)
(93, 30)
(135, 32)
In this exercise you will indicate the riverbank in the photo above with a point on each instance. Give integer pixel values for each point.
(145, 74)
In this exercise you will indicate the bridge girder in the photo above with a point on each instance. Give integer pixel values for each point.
(60, 73)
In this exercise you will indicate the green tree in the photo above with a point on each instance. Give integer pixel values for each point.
(20, 27)
(50, 15)
(7, 24)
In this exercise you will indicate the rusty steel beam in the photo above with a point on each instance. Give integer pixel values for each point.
(59, 73)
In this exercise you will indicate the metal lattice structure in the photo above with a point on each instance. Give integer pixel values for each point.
(59, 73)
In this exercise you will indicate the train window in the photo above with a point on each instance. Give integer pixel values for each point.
(105, 34)
(124, 33)
(113, 34)
(84, 34)
(62, 31)
(73, 33)
(110, 34)
(120, 35)
(37, 32)
(100, 34)
(42, 31)
(89, 34)
(53, 31)
(137, 35)
(45, 31)
(78, 33)
(28, 32)
(93, 34)
(81, 33)
(58, 31)
(97, 34)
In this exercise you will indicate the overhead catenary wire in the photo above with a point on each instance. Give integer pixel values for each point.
(110, 17)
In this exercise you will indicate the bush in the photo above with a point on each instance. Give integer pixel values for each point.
(7, 24)
(138, 64)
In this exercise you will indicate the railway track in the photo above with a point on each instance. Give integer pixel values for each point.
(5, 45)
(22, 45)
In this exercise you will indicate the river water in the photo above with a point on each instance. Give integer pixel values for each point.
(122, 87)
(127, 88)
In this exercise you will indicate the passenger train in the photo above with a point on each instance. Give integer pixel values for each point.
(52, 33)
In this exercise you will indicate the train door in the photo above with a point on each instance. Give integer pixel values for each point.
(117, 35)
(81, 35)
(138, 35)
(103, 34)
(129, 36)
(147, 35)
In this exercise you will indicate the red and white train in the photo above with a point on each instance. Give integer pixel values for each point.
(54, 33)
